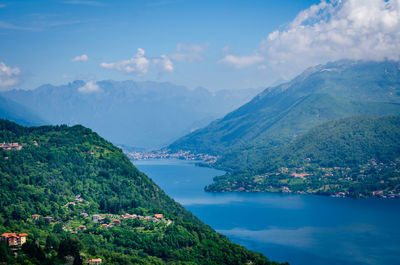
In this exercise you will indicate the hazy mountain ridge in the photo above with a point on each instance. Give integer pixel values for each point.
(280, 114)
(140, 114)
(15, 112)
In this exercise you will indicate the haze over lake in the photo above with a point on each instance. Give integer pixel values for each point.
(300, 229)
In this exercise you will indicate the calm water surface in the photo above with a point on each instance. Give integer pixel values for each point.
(300, 229)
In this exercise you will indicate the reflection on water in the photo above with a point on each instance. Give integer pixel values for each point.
(301, 229)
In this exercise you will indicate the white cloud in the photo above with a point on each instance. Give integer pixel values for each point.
(89, 87)
(141, 64)
(186, 52)
(242, 61)
(80, 58)
(138, 64)
(164, 63)
(9, 76)
(338, 29)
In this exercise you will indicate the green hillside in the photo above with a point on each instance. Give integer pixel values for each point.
(357, 156)
(64, 179)
(279, 115)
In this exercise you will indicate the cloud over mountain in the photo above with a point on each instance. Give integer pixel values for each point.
(89, 87)
(328, 31)
(354, 29)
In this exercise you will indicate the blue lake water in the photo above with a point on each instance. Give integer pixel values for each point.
(300, 229)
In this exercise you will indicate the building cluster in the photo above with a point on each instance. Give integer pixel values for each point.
(14, 239)
(11, 146)
(14, 146)
(158, 217)
(36, 217)
(97, 218)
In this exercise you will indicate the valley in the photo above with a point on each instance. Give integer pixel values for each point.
(166, 132)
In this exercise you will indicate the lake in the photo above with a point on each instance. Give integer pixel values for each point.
(300, 229)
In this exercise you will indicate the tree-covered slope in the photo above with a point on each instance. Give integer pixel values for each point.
(278, 115)
(64, 177)
(357, 156)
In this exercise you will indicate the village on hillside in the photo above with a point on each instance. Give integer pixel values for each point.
(89, 223)
(14, 146)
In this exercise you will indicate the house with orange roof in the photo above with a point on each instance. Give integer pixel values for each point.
(35, 217)
(95, 261)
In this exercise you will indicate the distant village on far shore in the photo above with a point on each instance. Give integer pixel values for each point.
(166, 154)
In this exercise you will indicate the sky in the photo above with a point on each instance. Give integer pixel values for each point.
(214, 44)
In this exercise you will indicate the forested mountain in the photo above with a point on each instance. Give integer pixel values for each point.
(357, 156)
(280, 114)
(137, 114)
(79, 197)
(13, 111)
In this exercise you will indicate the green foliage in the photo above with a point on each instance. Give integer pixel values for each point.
(74, 171)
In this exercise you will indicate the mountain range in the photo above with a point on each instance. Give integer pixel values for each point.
(251, 141)
(136, 114)
(280, 114)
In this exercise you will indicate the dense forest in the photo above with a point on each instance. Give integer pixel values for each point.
(357, 157)
(79, 197)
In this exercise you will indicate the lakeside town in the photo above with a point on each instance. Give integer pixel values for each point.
(166, 154)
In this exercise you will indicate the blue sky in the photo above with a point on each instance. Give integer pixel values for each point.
(214, 44)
